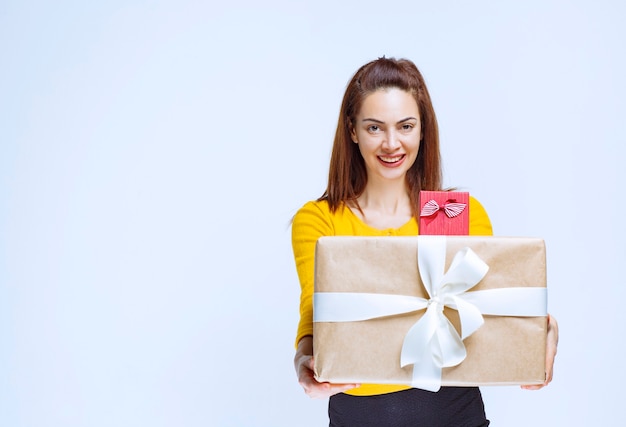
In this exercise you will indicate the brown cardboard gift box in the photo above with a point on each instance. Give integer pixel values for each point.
(505, 350)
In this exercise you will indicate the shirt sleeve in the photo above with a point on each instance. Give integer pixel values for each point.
(309, 224)
(479, 222)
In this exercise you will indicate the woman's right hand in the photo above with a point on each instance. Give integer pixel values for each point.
(303, 363)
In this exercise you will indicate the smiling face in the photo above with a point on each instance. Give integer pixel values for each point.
(388, 132)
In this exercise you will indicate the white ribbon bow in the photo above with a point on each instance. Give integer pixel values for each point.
(433, 343)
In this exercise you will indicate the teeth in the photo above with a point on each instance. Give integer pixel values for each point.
(390, 159)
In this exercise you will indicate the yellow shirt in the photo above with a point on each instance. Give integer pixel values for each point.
(315, 220)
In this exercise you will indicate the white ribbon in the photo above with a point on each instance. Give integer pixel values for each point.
(433, 343)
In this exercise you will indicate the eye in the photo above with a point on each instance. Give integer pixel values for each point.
(373, 128)
(407, 126)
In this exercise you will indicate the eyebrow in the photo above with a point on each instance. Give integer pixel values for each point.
(381, 122)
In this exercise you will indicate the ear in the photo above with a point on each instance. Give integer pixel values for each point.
(353, 133)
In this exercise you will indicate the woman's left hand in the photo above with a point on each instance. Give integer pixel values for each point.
(551, 346)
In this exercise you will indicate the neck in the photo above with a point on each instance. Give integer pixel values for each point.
(388, 199)
(384, 206)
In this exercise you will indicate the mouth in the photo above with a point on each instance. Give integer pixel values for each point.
(391, 160)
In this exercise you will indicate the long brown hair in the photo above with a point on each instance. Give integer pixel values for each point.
(347, 176)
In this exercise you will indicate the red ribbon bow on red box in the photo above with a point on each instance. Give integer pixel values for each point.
(450, 208)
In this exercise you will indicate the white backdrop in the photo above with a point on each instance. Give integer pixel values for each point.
(152, 154)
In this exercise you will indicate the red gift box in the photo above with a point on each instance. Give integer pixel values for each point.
(444, 213)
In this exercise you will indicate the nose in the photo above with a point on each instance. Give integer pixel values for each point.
(391, 142)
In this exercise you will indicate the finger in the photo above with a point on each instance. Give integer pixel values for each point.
(533, 387)
(551, 349)
(324, 390)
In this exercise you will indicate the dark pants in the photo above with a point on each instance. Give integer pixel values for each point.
(449, 407)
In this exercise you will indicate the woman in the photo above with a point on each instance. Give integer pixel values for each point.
(386, 150)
